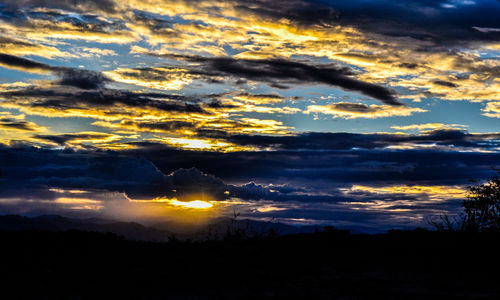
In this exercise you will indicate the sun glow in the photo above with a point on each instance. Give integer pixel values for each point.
(203, 144)
(198, 204)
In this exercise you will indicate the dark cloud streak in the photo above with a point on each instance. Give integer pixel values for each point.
(80, 78)
(281, 73)
(21, 125)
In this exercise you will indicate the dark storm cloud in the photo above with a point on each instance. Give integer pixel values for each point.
(29, 170)
(137, 177)
(80, 78)
(446, 23)
(344, 141)
(282, 73)
(328, 168)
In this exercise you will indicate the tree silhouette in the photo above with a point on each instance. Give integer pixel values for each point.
(481, 209)
(482, 206)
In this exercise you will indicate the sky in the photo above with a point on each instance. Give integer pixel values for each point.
(359, 114)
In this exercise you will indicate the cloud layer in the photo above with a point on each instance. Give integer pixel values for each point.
(353, 113)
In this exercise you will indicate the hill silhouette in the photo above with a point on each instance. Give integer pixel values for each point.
(160, 232)
(129, 230)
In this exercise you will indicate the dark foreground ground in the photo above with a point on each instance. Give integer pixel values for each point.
(327, 265)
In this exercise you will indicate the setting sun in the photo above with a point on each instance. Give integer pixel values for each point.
(198, 204)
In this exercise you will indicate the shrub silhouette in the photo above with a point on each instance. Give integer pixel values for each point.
(482, 206)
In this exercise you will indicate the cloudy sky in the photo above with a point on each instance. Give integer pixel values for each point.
(358, 114)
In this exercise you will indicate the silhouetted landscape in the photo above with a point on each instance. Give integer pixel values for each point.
(327, 264)
(158, 232)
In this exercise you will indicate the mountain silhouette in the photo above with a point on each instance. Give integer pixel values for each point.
(129, 230)
(160, 232)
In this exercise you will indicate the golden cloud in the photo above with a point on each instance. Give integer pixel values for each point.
(434, 192)
(9, 122)
(418, 195)
(347, 110)
(22, 47)
(492, 110)
(427, 127)
(155, 78)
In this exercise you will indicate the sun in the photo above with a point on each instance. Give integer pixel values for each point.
(197, 204)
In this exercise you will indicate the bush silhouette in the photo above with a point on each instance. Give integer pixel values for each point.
(482, 206)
